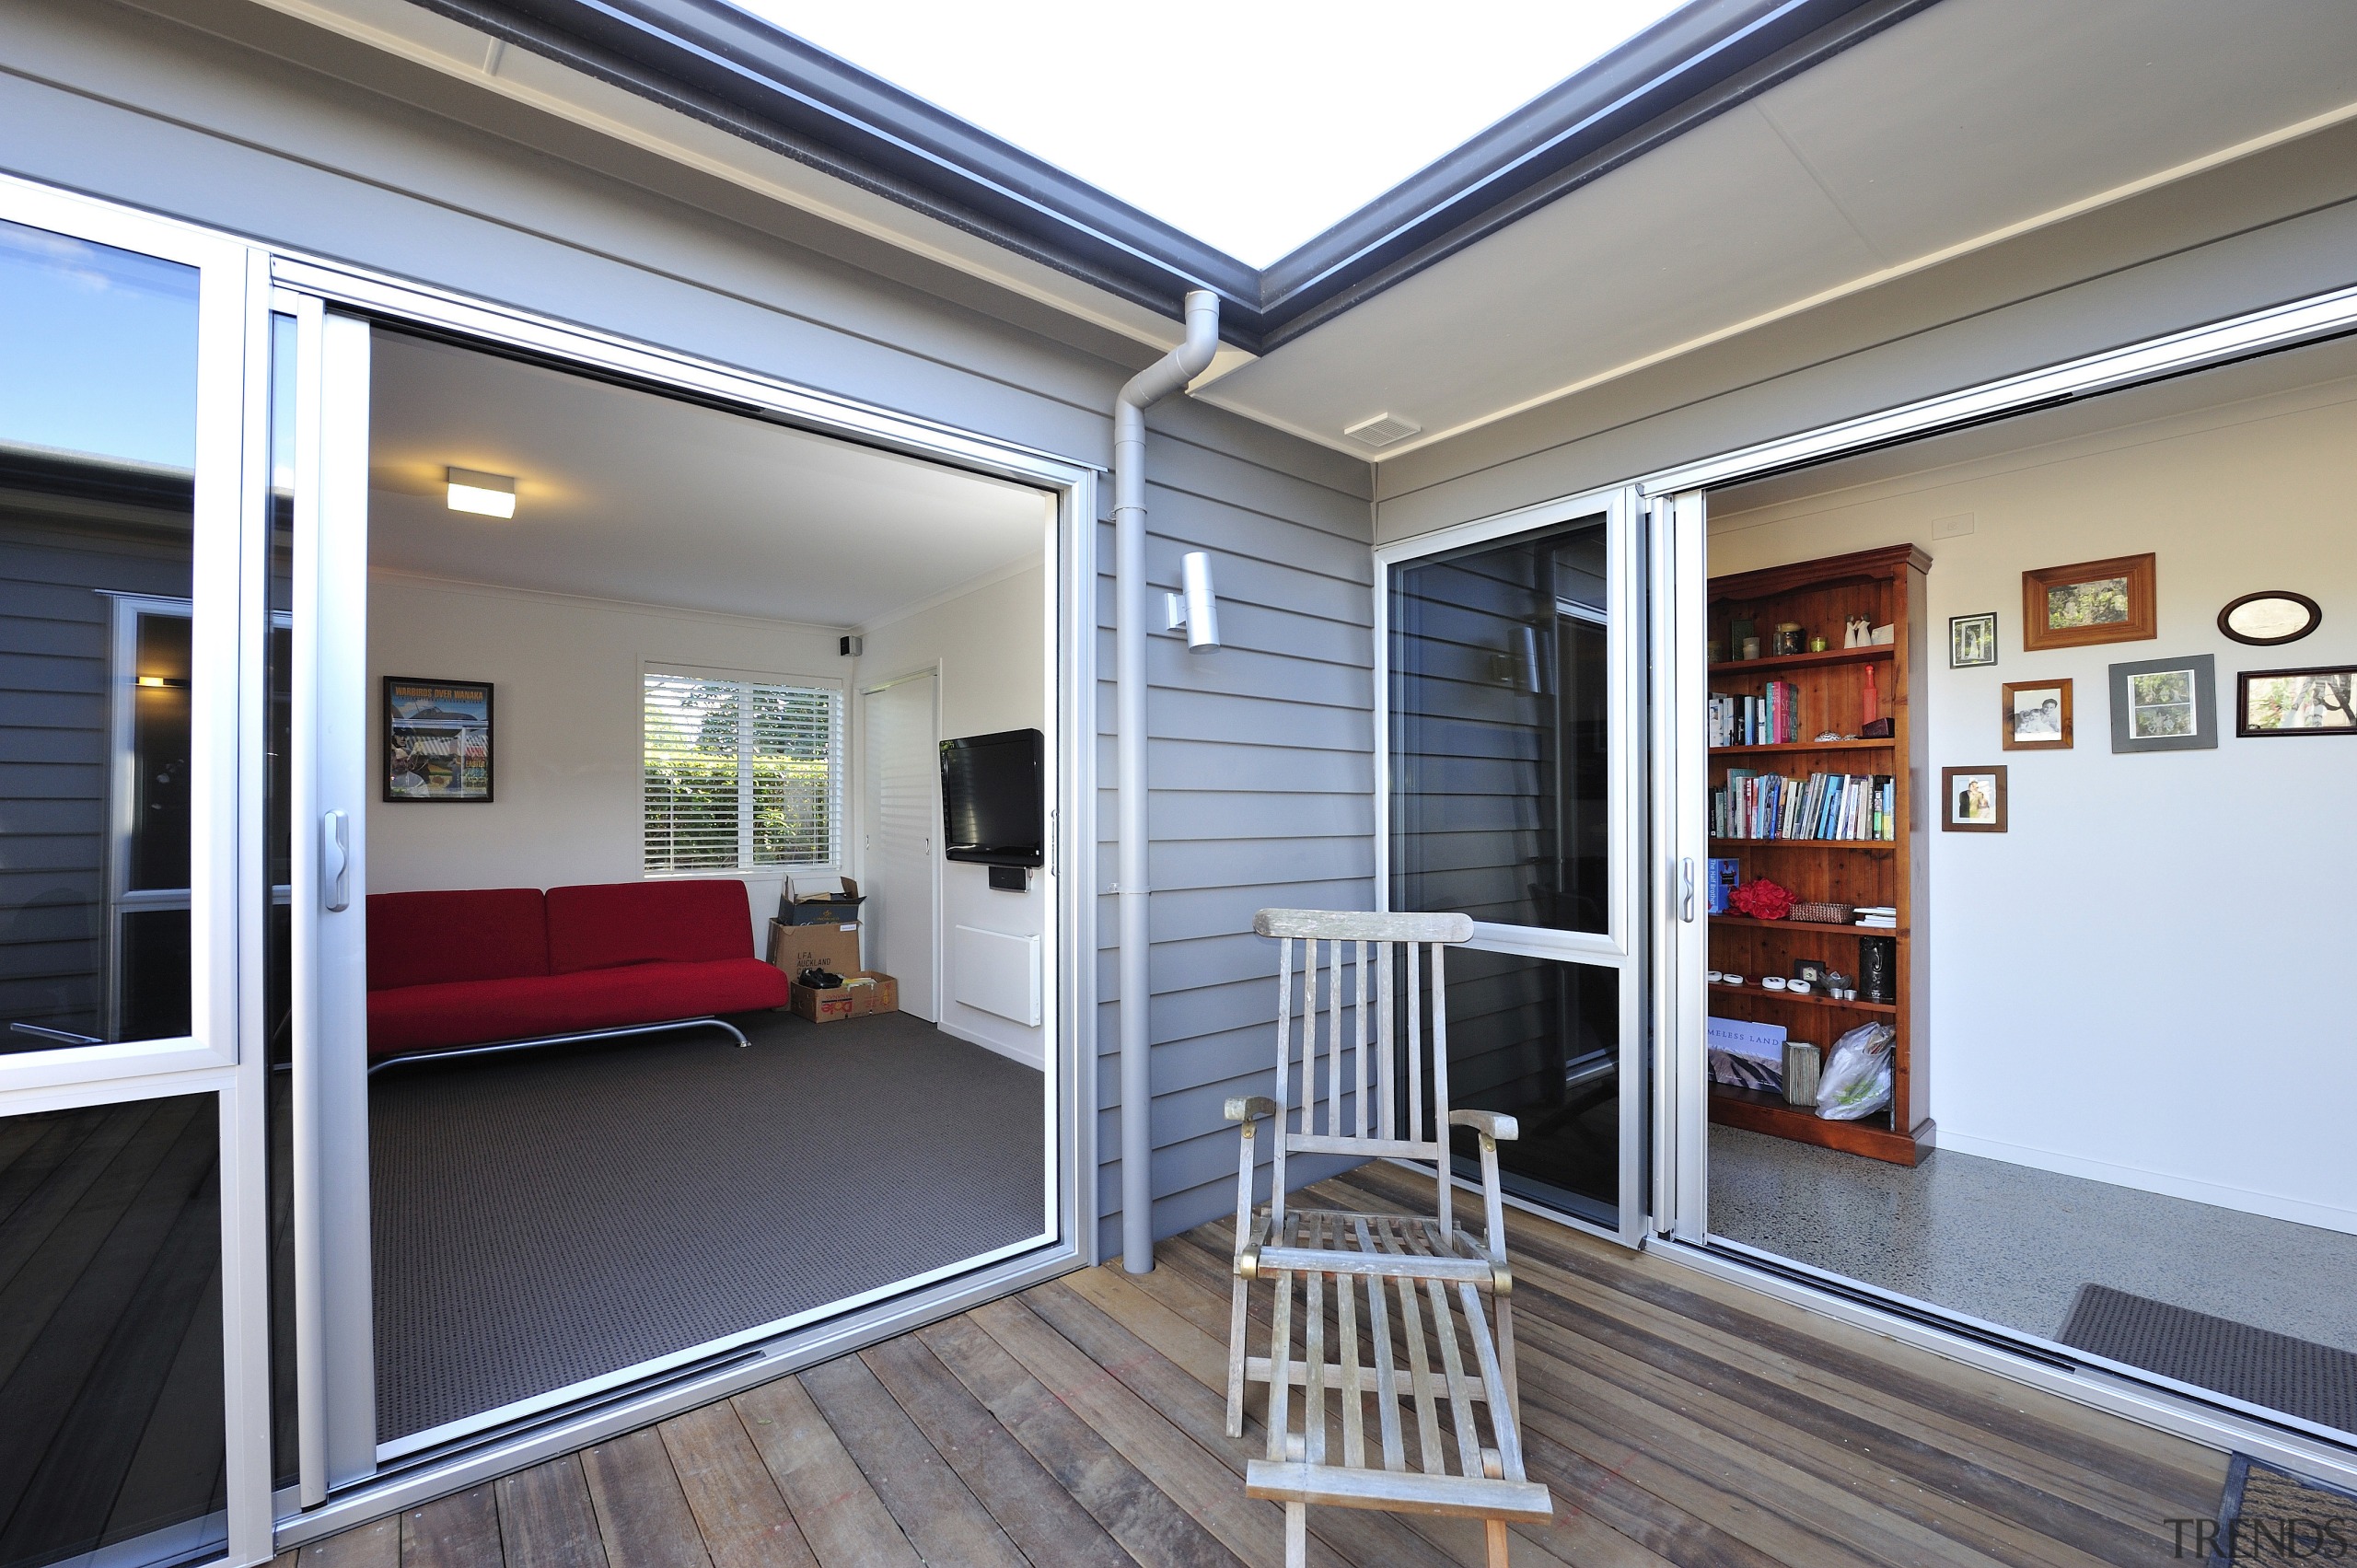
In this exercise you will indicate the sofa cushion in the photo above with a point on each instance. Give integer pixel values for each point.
(599, 925)
(438, 938)
(478, 1012)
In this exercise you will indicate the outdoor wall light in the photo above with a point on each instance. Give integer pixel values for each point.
(1196, 606)
(491, 494)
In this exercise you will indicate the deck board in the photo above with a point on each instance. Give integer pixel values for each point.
(1679, 1419)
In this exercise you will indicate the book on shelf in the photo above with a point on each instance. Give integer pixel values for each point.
(1725, 876)
(1772, 719)
(1877, 917)
(1852, 806)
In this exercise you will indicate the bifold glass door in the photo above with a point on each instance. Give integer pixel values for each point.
(1513, 760)
(122, 1133)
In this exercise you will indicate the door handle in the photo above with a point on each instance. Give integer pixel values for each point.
(335, 862)
(1686, 890)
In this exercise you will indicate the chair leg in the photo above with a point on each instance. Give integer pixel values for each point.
(1297, 1536)
(1236, 1326)
(1494, 1532)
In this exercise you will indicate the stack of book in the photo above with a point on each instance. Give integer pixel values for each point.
(1823, 805)
(1772, 718)
(1879, 917)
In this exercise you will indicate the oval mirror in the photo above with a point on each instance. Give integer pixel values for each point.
(2277, 615)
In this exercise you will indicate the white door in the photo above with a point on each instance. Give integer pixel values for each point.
(903, 818)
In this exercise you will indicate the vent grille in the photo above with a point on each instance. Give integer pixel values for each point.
(1382, 430)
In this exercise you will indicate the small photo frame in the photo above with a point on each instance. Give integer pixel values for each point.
(438, 740)
(1972, 800)
(2165, 704)
(2296, 701)
(2090, 601)
(2037, 715)
(1972, 640)
(2270, 617)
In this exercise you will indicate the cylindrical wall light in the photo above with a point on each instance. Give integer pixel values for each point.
(1196, 605)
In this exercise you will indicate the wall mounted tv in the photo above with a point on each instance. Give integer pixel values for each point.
(994, 805)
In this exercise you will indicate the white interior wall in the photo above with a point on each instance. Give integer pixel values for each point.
(990, 644)
(2140, 982)
(566, 786)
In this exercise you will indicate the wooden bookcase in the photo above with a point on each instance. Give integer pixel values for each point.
(1886, 586)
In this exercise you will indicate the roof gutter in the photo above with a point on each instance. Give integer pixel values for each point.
(1156, 381)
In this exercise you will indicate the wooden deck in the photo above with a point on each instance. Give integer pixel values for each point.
(1678, 1420)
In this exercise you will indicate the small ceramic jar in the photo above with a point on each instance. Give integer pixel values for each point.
(1774, 983)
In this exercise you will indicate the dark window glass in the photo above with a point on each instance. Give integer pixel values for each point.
(97, 450)
(1498, 745)
(110, 1372)
(278, 872)
(1540, 1039)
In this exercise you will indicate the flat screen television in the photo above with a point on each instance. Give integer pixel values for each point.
(993, 806)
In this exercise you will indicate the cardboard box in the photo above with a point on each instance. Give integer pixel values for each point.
(849, 1001)
(821, 909)
(793, 948)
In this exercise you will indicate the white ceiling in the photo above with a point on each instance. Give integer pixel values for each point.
(1954, 128)
(623, 494)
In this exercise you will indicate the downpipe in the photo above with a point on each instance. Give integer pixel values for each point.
(1156, 381)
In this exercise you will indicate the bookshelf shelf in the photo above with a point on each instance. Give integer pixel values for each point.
(1801, 746)
(1825, 692)
(1762, 993)
(1806, 661)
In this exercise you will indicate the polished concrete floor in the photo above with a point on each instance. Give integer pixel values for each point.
(2011, 1245)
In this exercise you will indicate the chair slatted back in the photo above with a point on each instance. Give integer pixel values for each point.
(1342, 1052)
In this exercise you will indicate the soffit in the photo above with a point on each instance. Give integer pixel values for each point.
(627, 495)
(1960, 126)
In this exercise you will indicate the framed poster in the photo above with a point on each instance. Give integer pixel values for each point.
(437, 739)
(2165, 704)
(2037, 715)
(2091, 601)
(2296, 702)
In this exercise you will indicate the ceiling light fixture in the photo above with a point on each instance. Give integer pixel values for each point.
(491, 494)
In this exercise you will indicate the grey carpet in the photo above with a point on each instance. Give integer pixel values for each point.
(2312, 1381)
(553, 1216)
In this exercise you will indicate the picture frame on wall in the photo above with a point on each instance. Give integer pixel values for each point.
(438, 740)
(2317, 701)
(1972, 800)
(2268, 617)
(2165, 704)
(2036, 715)
(2112, 601)
(1972, 640)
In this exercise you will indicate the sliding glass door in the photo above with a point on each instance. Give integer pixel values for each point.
(1513, 688)
(125, 1141)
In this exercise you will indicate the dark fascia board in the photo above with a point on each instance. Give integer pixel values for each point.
(710, 59)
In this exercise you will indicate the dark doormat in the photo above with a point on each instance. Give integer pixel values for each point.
(2299, 1378)
(2272, 1517)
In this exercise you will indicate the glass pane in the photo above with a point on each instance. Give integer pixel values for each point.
(1540, 1041)
(278, 873)
(97, 452)
(1499, 750)
(111, 1371)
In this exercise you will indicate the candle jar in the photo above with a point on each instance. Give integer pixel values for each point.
(1817, 645)
(1789, 638)
(1750, 648)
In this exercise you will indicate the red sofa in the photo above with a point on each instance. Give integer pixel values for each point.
(452, 970)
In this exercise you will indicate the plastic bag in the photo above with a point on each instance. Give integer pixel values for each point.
(1856, 1080)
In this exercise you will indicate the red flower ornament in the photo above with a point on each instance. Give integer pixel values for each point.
(1761, 900)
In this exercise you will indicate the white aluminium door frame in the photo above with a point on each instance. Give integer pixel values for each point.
(1622, 946)
(1069, 1215)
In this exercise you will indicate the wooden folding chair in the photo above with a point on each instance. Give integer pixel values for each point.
(1437, 1355)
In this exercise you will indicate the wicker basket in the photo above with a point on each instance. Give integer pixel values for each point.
(1821, 914)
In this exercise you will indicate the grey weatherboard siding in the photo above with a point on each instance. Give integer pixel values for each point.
(1261, 757)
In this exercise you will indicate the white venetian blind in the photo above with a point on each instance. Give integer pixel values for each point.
(742, 773)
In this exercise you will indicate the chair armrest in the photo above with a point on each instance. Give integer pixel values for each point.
(1498, 1125)
(1250, 1108)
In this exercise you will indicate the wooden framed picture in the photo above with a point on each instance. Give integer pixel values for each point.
(2037, 715)
(1972, 640)
(1972, 800)
(2165, 704)
(2092, 601)
(438, 740)
(2296, 701)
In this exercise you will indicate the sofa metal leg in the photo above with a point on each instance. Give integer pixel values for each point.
(377, 1067)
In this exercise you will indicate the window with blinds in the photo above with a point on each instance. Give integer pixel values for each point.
(742, 773)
